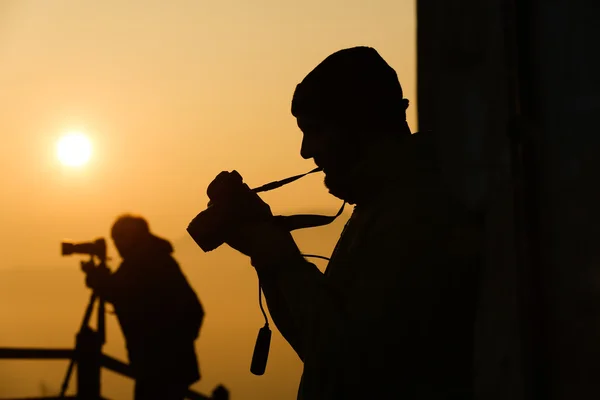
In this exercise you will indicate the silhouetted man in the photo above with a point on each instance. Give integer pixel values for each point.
(159, 312)
(392, 316)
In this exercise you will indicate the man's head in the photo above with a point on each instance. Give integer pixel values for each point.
(351, 100)
(128, 232)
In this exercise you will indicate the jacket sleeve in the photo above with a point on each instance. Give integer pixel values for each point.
(280, 313)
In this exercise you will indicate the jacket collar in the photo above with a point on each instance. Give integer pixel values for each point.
(405, 162)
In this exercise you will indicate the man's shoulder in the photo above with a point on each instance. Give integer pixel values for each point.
(151, 260)
(416, 214)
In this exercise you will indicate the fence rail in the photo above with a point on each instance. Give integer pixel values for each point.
(108, 362)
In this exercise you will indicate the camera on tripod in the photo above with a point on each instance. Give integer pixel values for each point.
(97, 248)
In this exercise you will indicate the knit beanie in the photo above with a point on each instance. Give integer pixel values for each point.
(355, 86)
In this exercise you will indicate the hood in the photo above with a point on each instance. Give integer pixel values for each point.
(160, 245)
(152, 245)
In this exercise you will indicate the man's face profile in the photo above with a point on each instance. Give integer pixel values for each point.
(123, 242)
(333, 148)
(127, 234)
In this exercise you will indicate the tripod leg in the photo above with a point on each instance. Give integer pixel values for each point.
(88, 312)
(65, 384)
(101, 322)
(84, 325)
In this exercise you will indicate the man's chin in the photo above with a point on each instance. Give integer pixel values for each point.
(337, 188)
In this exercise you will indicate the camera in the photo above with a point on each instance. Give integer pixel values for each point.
(96, 248)
(232, 203)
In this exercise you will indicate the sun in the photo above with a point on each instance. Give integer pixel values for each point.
(74, 149)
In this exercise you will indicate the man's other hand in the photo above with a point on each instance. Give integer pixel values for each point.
(97, 277)
(266, 243)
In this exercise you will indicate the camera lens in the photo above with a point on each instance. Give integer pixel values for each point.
(67, 248)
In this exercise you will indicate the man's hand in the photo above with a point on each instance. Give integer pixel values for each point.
(265, 243)
(97, 278)
(257, 234)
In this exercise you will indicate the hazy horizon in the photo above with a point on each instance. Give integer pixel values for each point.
(170, 94)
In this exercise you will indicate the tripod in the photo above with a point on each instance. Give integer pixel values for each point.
(88, 347)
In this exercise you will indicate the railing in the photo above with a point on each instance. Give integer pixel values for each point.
(89, 364)
(88, 357)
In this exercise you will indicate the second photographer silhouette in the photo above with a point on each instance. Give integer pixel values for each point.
(158, 311)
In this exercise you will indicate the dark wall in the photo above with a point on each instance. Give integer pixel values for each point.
(464, 94)
(561, 97)
(485, 67)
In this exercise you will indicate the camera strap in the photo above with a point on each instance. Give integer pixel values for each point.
(299, 221)
(276, 184)
(289, 222)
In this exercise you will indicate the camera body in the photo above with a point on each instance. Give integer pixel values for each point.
(96, 248)
(232, 204)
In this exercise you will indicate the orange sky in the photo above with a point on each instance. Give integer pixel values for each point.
(170, 93)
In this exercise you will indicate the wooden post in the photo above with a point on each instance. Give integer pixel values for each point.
(89, 356)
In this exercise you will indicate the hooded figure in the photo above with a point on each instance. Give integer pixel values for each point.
(158, 311)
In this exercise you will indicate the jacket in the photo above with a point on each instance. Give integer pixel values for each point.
(393, 315)
(158, 311)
